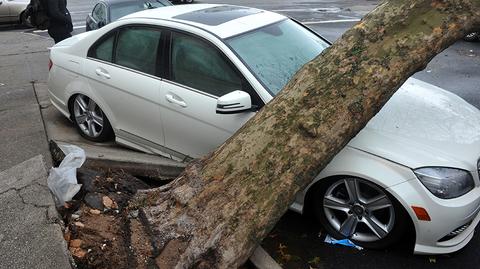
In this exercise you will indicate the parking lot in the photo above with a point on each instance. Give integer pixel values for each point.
(297, 241)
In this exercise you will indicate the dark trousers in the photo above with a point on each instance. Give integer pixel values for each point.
(59, 34)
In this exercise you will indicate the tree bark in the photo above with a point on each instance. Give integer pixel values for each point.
(222, 206)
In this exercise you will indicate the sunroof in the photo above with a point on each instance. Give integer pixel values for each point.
(217, 15)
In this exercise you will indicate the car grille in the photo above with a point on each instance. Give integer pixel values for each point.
(455, 232)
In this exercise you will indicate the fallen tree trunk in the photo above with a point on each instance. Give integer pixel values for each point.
(214, 214)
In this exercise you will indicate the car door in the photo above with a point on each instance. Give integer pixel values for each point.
(98, 17)
(199, 73)
(121, 69)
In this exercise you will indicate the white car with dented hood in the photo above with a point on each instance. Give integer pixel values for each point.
(178, 81)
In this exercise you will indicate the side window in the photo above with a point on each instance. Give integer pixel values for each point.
(196, 64)
(137, 49)
(99, 13)
(104, 50)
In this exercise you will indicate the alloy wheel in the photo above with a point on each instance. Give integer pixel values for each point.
(359, 210)
(88, 116)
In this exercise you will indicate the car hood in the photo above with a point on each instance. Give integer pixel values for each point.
(424, 125)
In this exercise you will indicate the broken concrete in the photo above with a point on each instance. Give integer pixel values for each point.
(30, 228)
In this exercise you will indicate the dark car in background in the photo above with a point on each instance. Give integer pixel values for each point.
(106, 11)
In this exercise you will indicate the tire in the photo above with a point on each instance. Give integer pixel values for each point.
(374, 219)
(187, 1)
(470, 37)
(90, 120)
(24, 21)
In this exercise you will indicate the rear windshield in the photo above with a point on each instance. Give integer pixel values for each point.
(274, 53)
(122, 9)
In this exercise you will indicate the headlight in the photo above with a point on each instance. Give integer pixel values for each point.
(445, 183)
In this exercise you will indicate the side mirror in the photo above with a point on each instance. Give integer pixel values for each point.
(101, 24)
(234, 102)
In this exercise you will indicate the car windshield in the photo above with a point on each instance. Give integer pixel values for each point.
(274, 53)
(122, 9)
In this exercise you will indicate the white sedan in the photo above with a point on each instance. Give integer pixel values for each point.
(178, 81)
(13, 11)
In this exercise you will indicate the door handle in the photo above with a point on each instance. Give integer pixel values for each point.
(171, 99)
(102, 73)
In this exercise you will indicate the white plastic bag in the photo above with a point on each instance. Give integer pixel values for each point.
(62, 180)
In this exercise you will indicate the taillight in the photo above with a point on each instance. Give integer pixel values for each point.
(50, 64)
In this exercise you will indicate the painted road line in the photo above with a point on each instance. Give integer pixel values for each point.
(81, 12)
(329, 21)
(322, 10)
(74, 27)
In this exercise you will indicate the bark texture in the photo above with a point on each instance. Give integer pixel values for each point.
(214, 214)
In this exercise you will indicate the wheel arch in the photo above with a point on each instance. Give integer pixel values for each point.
(351, 162)
(410, 228)
(20, 17)
(81, 86)
(106, 110)
(309, 195)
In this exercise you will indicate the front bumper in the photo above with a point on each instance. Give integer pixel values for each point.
(453, 221)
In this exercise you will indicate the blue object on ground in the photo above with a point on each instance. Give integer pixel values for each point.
(343, 242)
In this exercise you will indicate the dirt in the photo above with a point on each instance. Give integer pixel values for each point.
(112, 235)
(104, 239)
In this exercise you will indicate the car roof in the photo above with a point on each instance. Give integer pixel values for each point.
(222, 20)
(113, 2)
(110, 2)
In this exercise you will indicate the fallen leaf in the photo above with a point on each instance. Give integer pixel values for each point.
(107, 202)
(76, 243)
(67, 236)
(78, 252)
(79, 224)
(95, 211)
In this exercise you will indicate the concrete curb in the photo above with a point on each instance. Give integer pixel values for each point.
(148, 166)
(262, 260)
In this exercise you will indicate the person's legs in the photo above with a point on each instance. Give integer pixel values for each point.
(59, 34)
(64, 35)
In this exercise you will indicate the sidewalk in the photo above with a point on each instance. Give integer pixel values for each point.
(23, 59)
(30, 233)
